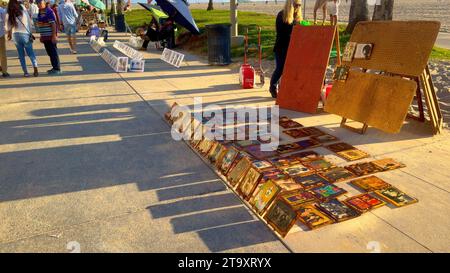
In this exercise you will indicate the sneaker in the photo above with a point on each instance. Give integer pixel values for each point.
(54, 72)
(5, 75)
(273, 92)
(26, 75)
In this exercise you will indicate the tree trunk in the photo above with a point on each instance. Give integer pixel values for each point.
(359, 11)
(210, 5)
(384, 11)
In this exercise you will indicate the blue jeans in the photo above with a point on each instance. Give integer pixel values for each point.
(24, 44)
(280, 59)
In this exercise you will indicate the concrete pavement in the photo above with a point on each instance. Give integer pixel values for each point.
(87, 158)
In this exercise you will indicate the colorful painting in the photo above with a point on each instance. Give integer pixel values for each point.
(337, 210)
(353, 154)
(396, 197)
(214, 152)
(249, 183)
(364, 168)
(262, 199)
(341, 73)
(364, 202)
(281, 217)
(297, 198)
(246, 143)
(306, 156)
(261, 164)
(337, 174)
(238, 171)
(284, 161)
(287, 148)
(274, 174)
(307, 143)
(388, 164)
(255, 150)
(327, 192)
(349, 51)
(311, 181)
(296, 170)
(319, 164)
(287, 124)
(228, 159)
(370, 183)
(312, 217)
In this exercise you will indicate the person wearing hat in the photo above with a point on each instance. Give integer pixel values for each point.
(48, 29)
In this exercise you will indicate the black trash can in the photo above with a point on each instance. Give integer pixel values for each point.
(219, 44)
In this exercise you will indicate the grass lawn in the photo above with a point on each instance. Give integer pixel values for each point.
(247, 20)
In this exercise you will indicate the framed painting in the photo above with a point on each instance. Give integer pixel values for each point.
(361, 169)
(261, 164)
(388, 164)
(212, 155)
(288, 185)
(281, 217)
(245, 143)
(319, 164)
(282, 161)
(295, 133)
(312, 217)
(337, 174)
(311, 181)
(339, 147)
(287, 148)
(249, 182)
(307, 143)
(228, 159)
(266, 194)
(325, 138)
(255, 150)
(364, 202)
(337, 210)
(312, 131)
(289, 123)
(306, 156)
(396, 197)
(218, 159)
(274, 174)
(327, 192)
(296, 170)
(370, 183)
(238, 171)
(352, 154)
(297, 198)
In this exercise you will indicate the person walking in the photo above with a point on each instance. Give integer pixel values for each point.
(3, 59)
(18, 26)
(290, 15)
(48, 30)
(34, 11)
(68, 19)
(333, 10)
(320, 4)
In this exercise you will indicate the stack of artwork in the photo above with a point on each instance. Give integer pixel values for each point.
(293, 184)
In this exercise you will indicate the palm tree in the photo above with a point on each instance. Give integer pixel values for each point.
(210, 5)
(384, 11)
(359, 11)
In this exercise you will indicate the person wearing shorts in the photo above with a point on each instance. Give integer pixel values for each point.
(320, 4)
(68, 19)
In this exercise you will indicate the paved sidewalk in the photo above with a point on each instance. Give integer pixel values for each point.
(86, 157)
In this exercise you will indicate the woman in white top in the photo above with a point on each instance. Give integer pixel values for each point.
(333, 10)
(18, 26)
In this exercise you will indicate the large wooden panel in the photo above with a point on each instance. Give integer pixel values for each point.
(305, 68)
(377, 100)
(400, 47)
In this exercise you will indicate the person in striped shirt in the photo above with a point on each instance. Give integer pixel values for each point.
(47, 27)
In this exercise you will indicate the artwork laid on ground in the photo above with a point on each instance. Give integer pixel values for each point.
(293, 184)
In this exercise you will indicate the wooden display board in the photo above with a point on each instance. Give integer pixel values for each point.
(400, 53)
(400, 47)
(305, 67)
(376, 100)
